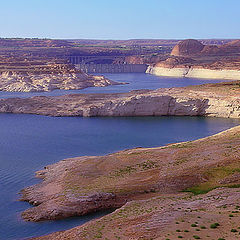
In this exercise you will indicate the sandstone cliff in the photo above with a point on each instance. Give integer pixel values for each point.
(217, 100)
(194, 72)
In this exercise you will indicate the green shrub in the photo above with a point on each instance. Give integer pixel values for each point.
(214, 225)
(196, 237)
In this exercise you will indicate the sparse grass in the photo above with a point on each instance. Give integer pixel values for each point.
(124, 171)
(181, 145)
(131, 169)
(214, 176)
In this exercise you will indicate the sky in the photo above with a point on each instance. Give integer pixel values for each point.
(120, 19)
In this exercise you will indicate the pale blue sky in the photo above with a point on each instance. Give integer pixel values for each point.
(120, 19)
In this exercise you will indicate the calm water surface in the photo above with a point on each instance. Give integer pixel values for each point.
(30, 142)
(135, 80)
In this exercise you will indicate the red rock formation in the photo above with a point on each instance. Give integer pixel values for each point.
(187, 47)
(211, 49)
(175, 61)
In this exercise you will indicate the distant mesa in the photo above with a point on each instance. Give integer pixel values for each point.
(234, 43)
(187, 47)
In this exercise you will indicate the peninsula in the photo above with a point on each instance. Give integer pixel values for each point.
(216, 100)
(147, 183)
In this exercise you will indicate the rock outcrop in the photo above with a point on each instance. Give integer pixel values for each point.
(165, 217)
(48, 78)
(187, 47)
(191, 47)
(189, 71)
(190, 58)
(216, 100)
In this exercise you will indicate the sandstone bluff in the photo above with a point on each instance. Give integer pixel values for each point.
(190, 58)
(216, 100)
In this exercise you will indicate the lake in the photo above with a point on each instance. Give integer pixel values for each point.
(135, 81)
(30, 142)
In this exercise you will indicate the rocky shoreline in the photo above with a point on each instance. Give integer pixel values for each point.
(165, 217)
(195, 72)
(146, 182)
(215, 100)
(28, 82)
(77, 186)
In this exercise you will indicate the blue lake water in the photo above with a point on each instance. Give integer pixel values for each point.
(136, 81)
(30, 142)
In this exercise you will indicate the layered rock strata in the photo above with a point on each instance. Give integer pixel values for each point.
(216, 100)
(47, 78)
